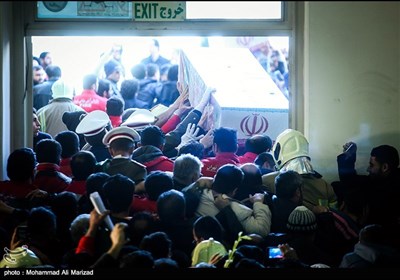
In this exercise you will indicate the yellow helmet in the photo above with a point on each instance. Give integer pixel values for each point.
(19, 257)
(288, 145)
(206, 249)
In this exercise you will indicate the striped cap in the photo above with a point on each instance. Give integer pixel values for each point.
(302, 220)
(93, 123)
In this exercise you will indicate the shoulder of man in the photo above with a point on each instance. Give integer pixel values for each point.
(103, 166)
(138, 163)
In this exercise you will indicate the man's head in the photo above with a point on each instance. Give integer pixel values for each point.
(113, 70)
(154, 136)
(38, 74)
(228, 179)
(45, 59)
(118, 191)
(53, 72)
(121, 140)
(171, 206)
(258, 144)
(115, 106)
(225, 140)
(290, 144)
(288, 185)
(384, 160)
(104, 88)
(139, 71)
(187, 168)
(90, 82)
(21, 164)
(48, 150)
(117, 51)
(36, 124)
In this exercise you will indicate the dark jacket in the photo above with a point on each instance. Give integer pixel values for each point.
(146, 96)
(153, 158)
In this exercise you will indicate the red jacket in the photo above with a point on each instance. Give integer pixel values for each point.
(248, 157)
(16, 189)
(143, 203)
(171, 124)
(78, 187)
(65, 166)
(161, 163)
(115, 120)
(49, 179)
(89, 101)
(212, 164)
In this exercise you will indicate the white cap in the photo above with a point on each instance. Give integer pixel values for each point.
(121, 132)
(139, 118)
(93, 123)
(61, 89)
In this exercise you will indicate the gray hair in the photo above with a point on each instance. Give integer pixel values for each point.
(185, 166)
(79, 227)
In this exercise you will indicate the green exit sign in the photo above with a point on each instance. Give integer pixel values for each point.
(159, 11)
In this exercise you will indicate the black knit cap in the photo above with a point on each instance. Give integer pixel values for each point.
(72, 119)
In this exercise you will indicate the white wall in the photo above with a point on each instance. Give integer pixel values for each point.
(352, 78)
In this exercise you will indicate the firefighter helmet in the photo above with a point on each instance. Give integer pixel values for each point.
(289, 144)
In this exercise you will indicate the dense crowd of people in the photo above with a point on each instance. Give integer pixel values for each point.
(179, 194)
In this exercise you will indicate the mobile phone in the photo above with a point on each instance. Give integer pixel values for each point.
(349, 148)
(274, 253)
(22, 232)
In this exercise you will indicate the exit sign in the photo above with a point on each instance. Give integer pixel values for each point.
(159, 11)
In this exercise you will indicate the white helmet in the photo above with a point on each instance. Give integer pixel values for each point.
(289, 144)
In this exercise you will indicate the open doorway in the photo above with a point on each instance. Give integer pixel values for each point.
(80, 55)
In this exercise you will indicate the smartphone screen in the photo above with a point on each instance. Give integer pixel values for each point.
(22, 232)
(274, 253)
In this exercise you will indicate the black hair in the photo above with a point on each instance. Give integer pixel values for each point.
(208, 226)
(37, 59)
(110, 66)
(53, 71)
(194, 148)
(158, 244)
(226, 139)
(83, 164)
(129, 88)
(41, 221)
(37, 67)
(287, 182)
(265, 157)
(258, 144)
(69, 142)
(152, 135)
(21, 164)
(173, 73)
(227, 178)
(48, 150)
(171, 206)
(156, 183)
(139, 71)
(115, 106)
(140, 259)
(118, 190)
(386, 154)
(151, 69)
(43, 55)
(122, 144)
(104, 85)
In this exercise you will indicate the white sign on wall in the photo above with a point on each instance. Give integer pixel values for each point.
(76, 10)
